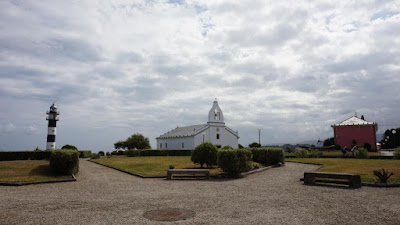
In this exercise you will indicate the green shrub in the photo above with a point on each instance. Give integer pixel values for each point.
(101, 153)
(383, 175)
(85, 154)
(302, 153)
(171, 167)
(132, 153)
(25, 155)
(367, 146)
(234, 162)
(65, 161)
(361, 153)
(254, 145)
(396, 154)
(227, 147)
(95, 156)
(315, 154)
(205, 153)
(108, 154)
(69, 147)
(268, 156)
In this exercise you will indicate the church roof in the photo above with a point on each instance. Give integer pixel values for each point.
(184, 131)
(353, 121)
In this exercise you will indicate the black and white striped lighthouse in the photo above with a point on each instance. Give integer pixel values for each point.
(52, 117)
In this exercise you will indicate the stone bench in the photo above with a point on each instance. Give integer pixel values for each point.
(353, 180)
(205, 172)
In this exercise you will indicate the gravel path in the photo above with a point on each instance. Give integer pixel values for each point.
(276, 196)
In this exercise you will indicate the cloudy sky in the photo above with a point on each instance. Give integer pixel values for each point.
(115, 68)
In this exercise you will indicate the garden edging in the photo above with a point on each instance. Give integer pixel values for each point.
(73, 178)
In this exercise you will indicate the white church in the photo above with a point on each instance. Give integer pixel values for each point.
(188, 137)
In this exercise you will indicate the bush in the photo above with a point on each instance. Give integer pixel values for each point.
(227, 147)
(95, 156)
(205, 153)
(396, 154)
(367, 146)
(65, 161)
(70, 147)
(254, 145)
(383, 175)
(101, 153)
(234, 162)
(361, 153)
(268, 156)
(25, 155)
(85, 154)
(132, 153)
(315, 154)
(302, 153)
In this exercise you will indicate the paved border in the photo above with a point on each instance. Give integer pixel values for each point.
(214, 176)
(367, 184)
(73, 178)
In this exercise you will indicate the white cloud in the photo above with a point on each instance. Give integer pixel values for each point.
(118, 67)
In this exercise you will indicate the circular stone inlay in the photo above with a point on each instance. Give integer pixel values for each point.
(168, 214)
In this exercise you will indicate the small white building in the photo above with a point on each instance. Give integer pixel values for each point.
(188, 137)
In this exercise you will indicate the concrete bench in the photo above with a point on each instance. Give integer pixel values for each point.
(205, 172)
(353, 180)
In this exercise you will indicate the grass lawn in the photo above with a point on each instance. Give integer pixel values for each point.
(364, 167)
(154, 165)
(21, 171)
(338, 153)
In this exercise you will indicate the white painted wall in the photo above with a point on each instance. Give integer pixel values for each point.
(176, 143)
(210, 135)
(51, 130)
(51, 146)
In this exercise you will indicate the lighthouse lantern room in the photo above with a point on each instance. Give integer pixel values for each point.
(52, 117)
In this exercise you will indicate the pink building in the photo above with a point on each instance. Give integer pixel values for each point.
(356, 129)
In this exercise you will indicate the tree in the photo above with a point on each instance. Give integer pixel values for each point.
(241, 146)
(205, 153)
(101, 153)
(254, 145)
(329, 142)
(135, 141)
(71, 147)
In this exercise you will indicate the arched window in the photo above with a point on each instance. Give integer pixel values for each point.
(183, 145)
(217, 136)
(160, 145)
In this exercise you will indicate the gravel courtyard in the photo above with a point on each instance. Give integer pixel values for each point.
(276, 196)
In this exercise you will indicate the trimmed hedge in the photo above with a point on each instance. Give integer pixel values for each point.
(85, 154)
(268, 156)
(157, 152)
(25, 155)
(65, 161)
(205, 153)
(396, 154)
(235, 161)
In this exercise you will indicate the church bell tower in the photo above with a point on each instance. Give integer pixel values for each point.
(215, 115)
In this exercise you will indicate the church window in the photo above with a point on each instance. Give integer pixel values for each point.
(217, 136)
(166, 145)
(160, 145)
(183, 145)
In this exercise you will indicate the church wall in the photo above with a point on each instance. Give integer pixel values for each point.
(176, 143)
(210, 135)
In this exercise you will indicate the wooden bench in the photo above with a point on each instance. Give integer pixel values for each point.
(170, 172)
(353, 180)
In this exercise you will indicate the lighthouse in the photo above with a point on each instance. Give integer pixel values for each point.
(52, 117)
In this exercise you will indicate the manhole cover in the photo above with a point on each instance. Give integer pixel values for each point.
(168, 214)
